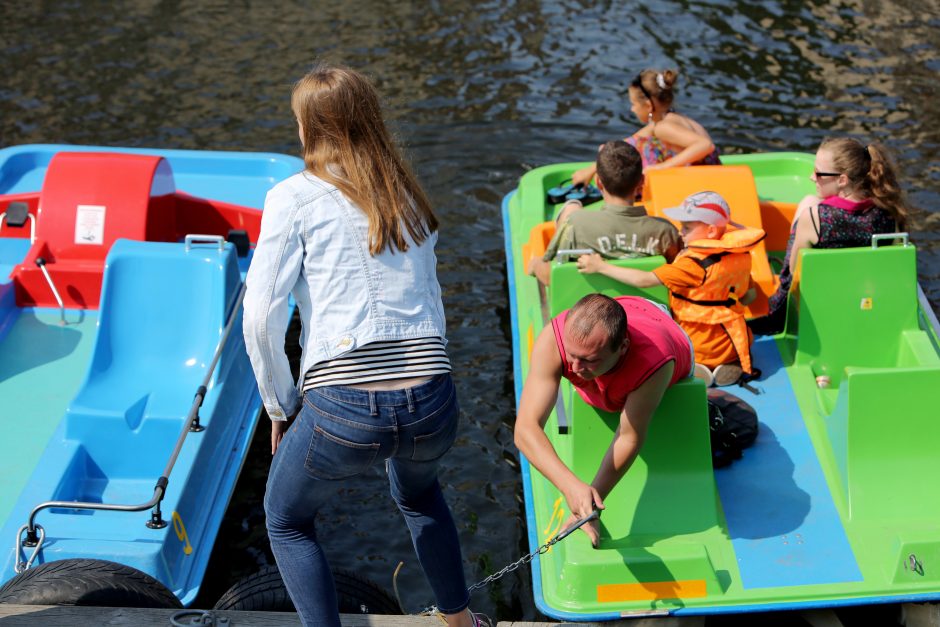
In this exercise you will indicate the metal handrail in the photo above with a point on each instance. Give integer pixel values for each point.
(878, 237)
(571, 252)
(159, 491)
(192, 239)
(560, 414)
(42, 266)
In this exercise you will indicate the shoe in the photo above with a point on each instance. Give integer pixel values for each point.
(481, 620)
(560, 194)
(727, 374)
(702, 372)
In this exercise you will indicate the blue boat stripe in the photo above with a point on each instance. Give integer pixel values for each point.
(783, 525)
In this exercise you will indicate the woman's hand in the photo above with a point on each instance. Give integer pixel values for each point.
(589, 264)
(278, 429)
(656, 166)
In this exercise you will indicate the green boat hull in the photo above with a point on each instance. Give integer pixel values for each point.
(835, 503)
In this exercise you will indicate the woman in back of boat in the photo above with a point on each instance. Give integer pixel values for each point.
(352, 239)
(669, 138)
(857, 196)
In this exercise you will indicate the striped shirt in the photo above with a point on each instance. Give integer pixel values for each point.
(381, 361)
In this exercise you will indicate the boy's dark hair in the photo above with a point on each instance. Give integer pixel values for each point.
(619, 168)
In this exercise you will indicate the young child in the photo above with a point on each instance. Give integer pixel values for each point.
(709, 284)
(619, 229)
(668, 139)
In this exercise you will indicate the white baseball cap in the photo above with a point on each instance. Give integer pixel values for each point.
(707, 207)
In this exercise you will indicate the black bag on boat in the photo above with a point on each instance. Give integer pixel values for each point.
(733, 426)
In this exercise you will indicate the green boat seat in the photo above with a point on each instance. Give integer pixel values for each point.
(568, 285)
(858, 307)
(655, 513)
(858, 324)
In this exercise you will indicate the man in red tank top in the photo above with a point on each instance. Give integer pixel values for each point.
(621, 355)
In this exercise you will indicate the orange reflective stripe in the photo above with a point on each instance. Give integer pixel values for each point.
(651, 591)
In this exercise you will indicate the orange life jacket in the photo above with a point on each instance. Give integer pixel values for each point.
(727, 266)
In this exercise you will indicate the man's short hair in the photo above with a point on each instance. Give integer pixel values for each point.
(596, 309)
(619, 168)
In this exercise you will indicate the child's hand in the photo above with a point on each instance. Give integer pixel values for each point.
(583, 176)
(589, 264)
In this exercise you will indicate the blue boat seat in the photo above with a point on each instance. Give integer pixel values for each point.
(163, 310)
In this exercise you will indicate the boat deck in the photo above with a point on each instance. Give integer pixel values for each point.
(780, 515)
(37, 353)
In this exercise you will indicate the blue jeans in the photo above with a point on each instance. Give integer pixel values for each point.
(340, 433)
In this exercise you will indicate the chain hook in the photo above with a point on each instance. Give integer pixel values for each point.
(21, 566)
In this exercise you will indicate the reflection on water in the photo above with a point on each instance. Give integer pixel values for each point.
(479, 92)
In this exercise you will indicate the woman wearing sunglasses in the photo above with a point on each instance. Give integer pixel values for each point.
(857, 196)
(669, 139)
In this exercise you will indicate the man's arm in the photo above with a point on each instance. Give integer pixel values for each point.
(634, 420)
(541, 270)
(538, 398)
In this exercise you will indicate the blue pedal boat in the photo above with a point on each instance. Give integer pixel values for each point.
(126, 394)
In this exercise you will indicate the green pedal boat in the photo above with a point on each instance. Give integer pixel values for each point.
(836, 503)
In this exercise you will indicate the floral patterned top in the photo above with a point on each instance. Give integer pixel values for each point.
(653, 151)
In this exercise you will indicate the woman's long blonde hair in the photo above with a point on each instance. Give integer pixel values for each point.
(347, 144)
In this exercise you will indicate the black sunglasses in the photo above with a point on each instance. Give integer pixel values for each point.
(818, 174)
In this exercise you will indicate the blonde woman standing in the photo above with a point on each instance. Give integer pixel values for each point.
(352, 239)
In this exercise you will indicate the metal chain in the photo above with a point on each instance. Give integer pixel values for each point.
(531, 556)
(525, 559)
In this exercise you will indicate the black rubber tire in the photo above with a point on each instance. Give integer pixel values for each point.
(264, 591)
(87, 582)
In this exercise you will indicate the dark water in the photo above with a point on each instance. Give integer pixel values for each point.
(479, 92)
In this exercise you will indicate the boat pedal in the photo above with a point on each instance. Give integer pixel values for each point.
(239, 238)
(17, 213)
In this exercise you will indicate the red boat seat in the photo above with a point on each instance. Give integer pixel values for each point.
(89, 200)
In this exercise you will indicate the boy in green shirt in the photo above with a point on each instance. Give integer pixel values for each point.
(619, 229)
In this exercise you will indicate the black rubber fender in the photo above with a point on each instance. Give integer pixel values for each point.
(264, 591)
(87, 582)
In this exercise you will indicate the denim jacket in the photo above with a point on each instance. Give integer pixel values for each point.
(314, 245)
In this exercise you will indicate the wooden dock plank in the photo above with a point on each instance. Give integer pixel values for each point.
(12, 615)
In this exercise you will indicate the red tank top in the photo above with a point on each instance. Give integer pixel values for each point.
(655, 340)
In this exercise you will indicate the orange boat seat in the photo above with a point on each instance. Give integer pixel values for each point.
(735, 183)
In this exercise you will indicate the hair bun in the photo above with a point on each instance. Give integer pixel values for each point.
(669, 78)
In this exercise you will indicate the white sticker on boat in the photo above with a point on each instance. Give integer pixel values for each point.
(89, 224)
